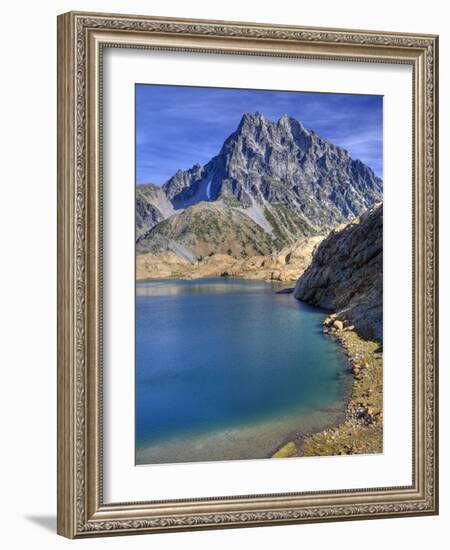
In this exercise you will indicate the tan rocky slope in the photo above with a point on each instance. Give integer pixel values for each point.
(285, 265)
(346, 274)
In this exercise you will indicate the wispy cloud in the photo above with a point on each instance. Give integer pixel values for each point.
(177, 126)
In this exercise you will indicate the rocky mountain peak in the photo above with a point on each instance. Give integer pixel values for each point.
(290, 123)
(287, 179)
(251, 120)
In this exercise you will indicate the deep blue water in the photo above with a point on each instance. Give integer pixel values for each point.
(215, 354)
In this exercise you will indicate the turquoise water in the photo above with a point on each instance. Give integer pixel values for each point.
(226, 368)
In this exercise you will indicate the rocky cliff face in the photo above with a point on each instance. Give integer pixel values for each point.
(346, 274)
(282, 177)
(152, 207)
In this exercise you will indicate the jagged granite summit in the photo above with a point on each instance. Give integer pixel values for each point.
(285, 179)
(346, 274)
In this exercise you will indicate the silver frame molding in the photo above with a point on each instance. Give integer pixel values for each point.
(81, 39)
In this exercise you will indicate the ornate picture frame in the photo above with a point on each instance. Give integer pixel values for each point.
(82, 39)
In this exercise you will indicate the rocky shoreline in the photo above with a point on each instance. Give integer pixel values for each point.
(361, 432)
(346, 276)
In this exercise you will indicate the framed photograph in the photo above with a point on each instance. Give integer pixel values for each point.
(247, 274)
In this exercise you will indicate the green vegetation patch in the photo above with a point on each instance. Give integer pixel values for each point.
(288, 450)
(279, 236)
(294, 222)
(230, 200)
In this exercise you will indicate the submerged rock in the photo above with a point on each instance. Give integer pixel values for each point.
(288, 450)
(285, 291)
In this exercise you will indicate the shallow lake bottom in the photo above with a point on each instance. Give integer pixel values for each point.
(229, 369)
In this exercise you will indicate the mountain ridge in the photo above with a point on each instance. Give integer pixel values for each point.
(286, 179)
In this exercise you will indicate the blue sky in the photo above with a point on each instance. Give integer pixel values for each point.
(179, 126)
